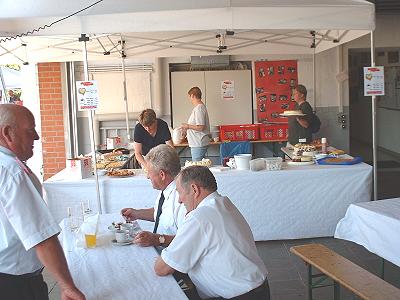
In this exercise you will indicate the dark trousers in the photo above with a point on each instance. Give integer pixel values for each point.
(14, 287)
(259, 293)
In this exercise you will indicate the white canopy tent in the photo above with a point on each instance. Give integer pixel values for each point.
(180, 28)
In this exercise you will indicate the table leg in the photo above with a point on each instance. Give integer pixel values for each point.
(336, 290)
(309, 282)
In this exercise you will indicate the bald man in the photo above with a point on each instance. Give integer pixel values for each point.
(28, 232)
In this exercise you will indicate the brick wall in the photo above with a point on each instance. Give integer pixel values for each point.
(51, 111)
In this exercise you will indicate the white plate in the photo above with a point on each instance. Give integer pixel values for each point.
(115, 243)
(219, 169)
(300, 163)
(291, 115)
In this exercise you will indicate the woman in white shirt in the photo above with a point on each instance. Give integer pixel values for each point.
(198, 126)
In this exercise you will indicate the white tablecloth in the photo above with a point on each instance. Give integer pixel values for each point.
(116, 272)
(374, 225)
(297, 202)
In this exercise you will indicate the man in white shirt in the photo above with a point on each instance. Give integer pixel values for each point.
(214, 244)
(28, 232)
(162, 166)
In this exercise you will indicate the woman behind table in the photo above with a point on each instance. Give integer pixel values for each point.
(299, 127)
(149, 132)
(198, 126)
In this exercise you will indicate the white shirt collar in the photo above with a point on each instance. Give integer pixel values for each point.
(169, 189)
(6, 151)
(207, 199)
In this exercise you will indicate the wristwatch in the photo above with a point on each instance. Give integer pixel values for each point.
(161, 239)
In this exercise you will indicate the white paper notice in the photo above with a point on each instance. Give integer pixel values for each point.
(228, 90)
(87, 95)
(374, 81)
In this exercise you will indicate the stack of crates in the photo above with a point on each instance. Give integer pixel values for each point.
(274, 132)
(246, 132)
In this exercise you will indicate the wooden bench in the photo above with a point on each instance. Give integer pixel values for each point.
(343, 272)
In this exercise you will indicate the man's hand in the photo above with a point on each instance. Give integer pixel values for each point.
(71, 293)
(146, 239)
(129, 214)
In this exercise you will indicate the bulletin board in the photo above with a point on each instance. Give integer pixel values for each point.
(275, 82)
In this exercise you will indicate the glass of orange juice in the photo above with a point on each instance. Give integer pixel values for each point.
(90, 240)
(89, 229)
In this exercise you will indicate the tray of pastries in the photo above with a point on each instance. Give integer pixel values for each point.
(205, 162)
(121, 173)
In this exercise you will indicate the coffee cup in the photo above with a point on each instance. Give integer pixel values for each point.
(231, 163)
(122, 236)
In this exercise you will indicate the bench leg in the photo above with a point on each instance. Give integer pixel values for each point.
(309, 282)
(336, 290)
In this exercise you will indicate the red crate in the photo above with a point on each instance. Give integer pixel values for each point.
(276, 132)
(247, 132)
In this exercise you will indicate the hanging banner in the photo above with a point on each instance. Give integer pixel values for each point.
(275, 82)
(228, 90)
(87, 95)
(374, 81)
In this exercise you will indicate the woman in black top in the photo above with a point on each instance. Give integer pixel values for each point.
(150, 132)
(299, 127)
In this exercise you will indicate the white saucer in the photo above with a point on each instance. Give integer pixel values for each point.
(115, 243)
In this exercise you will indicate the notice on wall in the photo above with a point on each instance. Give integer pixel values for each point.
(374, 81)
(227, 90)
(87, 95)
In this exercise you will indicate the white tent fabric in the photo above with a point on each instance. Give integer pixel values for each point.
(174, 28)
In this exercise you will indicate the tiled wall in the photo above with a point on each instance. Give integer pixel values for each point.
(52, 119)
(332, 129)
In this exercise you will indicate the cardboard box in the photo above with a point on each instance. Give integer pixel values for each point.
(79, 168)
(114, 142)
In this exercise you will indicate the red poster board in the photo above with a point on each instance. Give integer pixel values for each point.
(275, 81)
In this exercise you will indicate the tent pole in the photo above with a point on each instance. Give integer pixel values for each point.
(374, 141)
(84, 39)
(3, 87)
(128, 134)
(314, 78)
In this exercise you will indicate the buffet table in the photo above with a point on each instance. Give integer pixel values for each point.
(296, 202)
(374, 225)
(116, 272)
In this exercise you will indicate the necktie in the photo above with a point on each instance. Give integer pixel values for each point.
(159, 211)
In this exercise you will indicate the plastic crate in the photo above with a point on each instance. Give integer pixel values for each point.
(246, 132)
(276, 132)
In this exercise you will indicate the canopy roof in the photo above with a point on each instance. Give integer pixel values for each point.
(159, 28)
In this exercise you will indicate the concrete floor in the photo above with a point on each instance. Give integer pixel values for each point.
(288, 274)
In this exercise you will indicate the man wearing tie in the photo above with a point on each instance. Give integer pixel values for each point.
(28, 232)
(162, 166)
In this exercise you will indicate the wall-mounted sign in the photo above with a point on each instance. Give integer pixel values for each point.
(227, 90)
(87, 95)
(374, 81)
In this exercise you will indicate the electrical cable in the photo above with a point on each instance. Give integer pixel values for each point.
(10, 38)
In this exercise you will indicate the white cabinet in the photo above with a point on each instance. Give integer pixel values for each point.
(236, 111)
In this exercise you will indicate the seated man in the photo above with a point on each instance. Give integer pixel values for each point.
(214, 244)
(150, 132)
(162, 167)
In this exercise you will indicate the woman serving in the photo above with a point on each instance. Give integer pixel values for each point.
(198, 126)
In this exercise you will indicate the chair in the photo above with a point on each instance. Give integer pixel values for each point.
(229, 149)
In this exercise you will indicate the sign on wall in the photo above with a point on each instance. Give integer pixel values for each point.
(374, 81)
(228, 90)
(87, 95)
